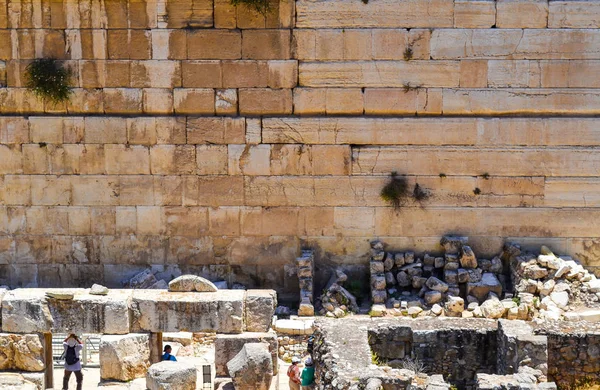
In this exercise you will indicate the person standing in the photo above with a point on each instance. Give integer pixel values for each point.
(308, 374)
(167, 354)
(293, 373)
(73, 347)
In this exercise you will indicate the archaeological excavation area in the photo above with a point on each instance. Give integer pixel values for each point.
(405, 191)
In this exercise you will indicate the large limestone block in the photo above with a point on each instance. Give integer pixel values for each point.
(474, 14)
(259, 310)
(522, 14)
(21, 352)
(380, 14)
(515, 44)
(252, 367)
(472, 161)
(171, 376)
(431, 131)
(124, 357)
(30, 310)
(385, 74)
(228, 346)
(574, 14)
(162, 311)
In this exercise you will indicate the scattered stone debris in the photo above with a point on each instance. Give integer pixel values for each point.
(189, 283)
(336, 301)
(146, 280)
(546, 286)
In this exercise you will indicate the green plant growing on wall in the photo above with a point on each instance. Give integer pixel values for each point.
(477, 191)
(419, 193)
(395, 191)
(48, 80)
(263, 7)
(409, 87)
(408, 53)
(486, 176)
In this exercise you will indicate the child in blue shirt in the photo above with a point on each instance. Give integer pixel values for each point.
(167, 355)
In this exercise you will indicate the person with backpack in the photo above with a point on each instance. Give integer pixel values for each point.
(293, 373)
(167, 354)
(73, 347)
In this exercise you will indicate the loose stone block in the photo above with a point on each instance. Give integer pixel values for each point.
(28, 310)
(489, 283)
(260, 308)
(171, 376)
(161, 311)
(252, 368)
(228, 346)
(124, 358)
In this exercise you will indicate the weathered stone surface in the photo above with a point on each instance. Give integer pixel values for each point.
(467, 257)
(436, 284)
(187, 283)
(28, 310)
(489, 283)
(454, 306)
(125, 357)
(15, 381)
(492, 308)
(161, 311)
(259, 310)
(21, 352)
(98, 289)
(252, 367)
(228, 346)
(171, 376)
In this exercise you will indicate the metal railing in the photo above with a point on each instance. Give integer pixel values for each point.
(89, 353)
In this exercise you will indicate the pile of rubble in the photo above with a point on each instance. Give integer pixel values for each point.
(306, 270)
(336, 301)
(458, 284)
(553, 285)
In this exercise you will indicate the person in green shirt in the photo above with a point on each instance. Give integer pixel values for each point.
(308, 375)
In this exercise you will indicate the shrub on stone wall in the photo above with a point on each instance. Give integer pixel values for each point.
(261, 6)
(49, 80)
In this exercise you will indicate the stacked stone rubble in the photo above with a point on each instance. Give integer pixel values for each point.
(457, 284)
(306, 269)
(377, 267)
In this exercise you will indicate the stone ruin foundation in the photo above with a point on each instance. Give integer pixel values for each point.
(131, 323)
(445, 353)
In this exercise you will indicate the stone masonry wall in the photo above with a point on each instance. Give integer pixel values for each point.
(208, 139)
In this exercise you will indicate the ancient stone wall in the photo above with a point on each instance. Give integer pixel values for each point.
(204, 138)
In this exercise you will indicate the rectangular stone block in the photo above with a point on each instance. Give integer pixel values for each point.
(162, 311)
(571, 192)
(521, 101)
(245, 74)
(474, 14)
(31, 311)
(216, 130)
(194, 101)
(227, 346)
(50, 190)
(260, 309)
(156, 74)
(214, 44)
(510, 222)
(190, 14)
(202, 74)
(14, 130)
(105, 130)
(522, 14)
(383, 14)
(380, 74)
(515, 161)
(123, 160)
(173, 159)
(122, 101)
(573, 14)
(515, 44)
(264, 101)
(16, 190)
(567, 74)
(266, 44)
(211, 159)
(224, 221)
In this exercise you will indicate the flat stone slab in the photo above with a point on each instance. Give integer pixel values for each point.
(295, 327)
(30, 310)
(163, 311)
